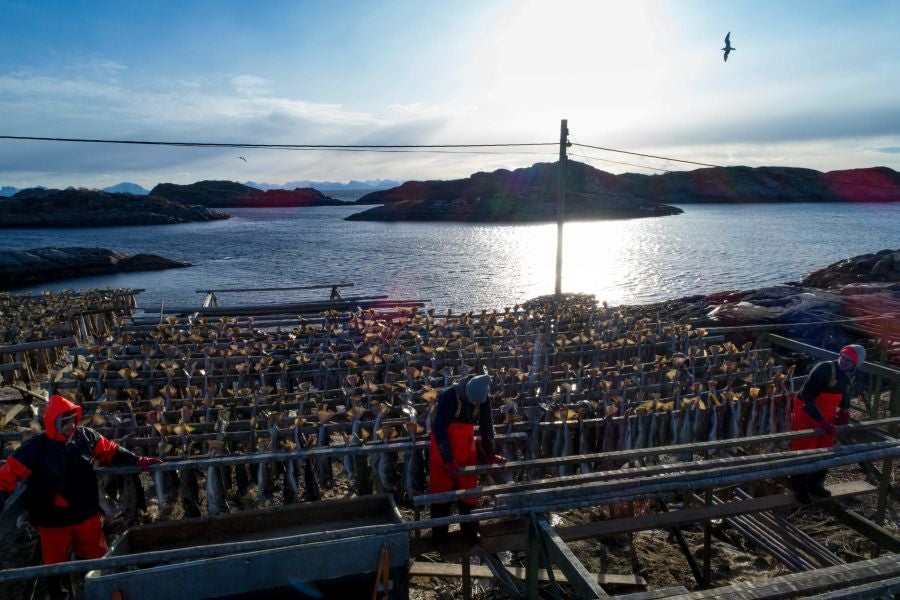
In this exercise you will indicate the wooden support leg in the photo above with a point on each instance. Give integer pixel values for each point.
(532, 560)
(707, 544)
(467, 577)
(888, 464)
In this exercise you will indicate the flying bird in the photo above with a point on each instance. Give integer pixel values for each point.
(242, 158)
(728, 47)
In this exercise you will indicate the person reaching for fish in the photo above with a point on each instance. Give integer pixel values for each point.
(61, 493)
(459, 408)
(823, 403)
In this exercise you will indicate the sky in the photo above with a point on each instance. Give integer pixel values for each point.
(812, 84)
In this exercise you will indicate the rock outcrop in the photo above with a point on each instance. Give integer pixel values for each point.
(22, 268)
(762, 184)
(229, 194)
(91, 208)
(881, 267)
(865, 287)
(523, 195)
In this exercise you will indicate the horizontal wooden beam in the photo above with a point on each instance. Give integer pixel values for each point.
(453, 570)
(38, 345)
(654, 594)
(510, 535)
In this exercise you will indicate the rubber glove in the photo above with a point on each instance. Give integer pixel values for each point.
(496, 459)
(828, 427)
(144, 462)
(843, 417)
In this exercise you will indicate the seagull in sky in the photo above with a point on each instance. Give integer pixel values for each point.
(242, 158)
(728, 47)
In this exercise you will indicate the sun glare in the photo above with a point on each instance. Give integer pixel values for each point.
(579, 60)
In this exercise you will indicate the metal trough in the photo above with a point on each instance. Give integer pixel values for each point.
(316, 570)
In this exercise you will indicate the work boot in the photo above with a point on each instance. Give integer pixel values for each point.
(470, 532)
(801, 488)
(439, 533)
(817, 484)
(57, 587)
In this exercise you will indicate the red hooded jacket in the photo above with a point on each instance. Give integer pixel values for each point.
(62, 487)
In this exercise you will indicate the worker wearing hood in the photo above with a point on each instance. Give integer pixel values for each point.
(61, 494)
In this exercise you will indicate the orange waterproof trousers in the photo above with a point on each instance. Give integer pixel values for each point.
(462, 445)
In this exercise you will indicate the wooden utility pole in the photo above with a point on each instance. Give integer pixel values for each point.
(561, 203)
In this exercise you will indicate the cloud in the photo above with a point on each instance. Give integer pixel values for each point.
(885, 150)
(235, 110)
(250, 85)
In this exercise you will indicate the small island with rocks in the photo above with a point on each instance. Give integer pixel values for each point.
(37, 207)
(525, 195)
(22, 268)
(230, 194)
(529, 194)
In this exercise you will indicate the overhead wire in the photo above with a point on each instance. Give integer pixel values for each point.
(422, 148)
(271, 146)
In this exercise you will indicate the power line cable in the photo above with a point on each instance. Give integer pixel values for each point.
(618, 162)
(689, 162)
(270, 146)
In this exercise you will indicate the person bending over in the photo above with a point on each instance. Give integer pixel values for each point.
(459, 408)
(823, 403)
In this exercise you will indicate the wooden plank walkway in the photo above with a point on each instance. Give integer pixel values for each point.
(453, 570)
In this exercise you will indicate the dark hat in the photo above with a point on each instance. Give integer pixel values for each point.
(477, 388)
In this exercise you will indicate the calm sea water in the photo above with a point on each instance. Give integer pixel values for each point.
(472, 266)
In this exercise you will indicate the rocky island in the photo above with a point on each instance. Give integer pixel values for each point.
(529, 194)
(761, 184)
(521, 196)
(229, 194)
(38, 207)
(22, 268)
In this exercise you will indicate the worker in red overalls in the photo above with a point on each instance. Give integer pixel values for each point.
(61, 495)
(823, 402)
(459, 408)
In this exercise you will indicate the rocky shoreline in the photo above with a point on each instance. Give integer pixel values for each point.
(22, 268)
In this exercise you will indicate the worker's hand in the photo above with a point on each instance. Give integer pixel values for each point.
(843, 417)
(496, 459)
(451, 468)
(828, 427)
(144, 462)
